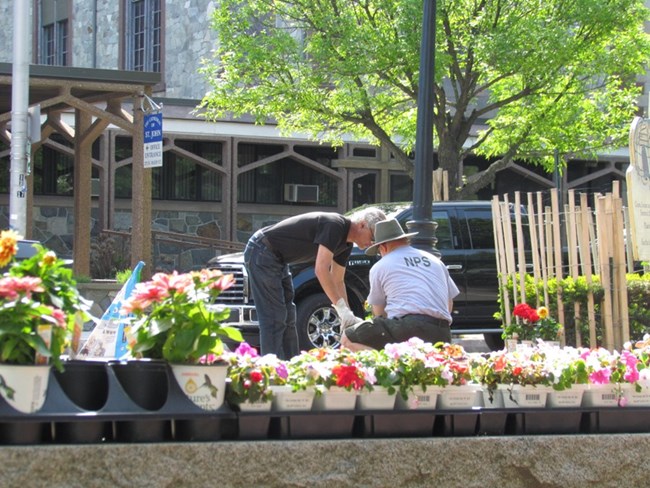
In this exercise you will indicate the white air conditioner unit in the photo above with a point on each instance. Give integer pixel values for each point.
(300, 193)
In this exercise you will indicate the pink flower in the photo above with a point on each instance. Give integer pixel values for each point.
(245, 349)
(600, 377)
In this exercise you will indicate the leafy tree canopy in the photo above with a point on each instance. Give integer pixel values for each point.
(515, 79)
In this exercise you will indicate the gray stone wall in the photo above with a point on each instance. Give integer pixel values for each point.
(54, 227)
(95, 39)
(189, 39)
(509, 462)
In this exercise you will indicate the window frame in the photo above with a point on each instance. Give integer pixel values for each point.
(149, 43)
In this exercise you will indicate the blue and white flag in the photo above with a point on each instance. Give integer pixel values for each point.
(108, 339)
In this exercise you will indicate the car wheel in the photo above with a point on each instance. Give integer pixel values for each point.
(317, 323)
(494, 341)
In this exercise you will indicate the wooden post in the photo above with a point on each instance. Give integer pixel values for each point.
(82, 199)
(141, 197)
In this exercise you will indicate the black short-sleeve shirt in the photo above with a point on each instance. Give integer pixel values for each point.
(296, 239)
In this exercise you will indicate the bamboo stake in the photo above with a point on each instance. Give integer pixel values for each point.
(603, 244)
(521, 252)
(557, 247)
(587, 265)
(534, 245)
(620, 279)
(572, 242)
(497, 222)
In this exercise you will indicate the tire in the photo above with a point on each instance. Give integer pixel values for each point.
(317, 323)
(494, 341)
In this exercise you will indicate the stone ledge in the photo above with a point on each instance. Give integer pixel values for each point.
(511, 462)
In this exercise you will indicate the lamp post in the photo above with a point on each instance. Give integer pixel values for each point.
(19, 107)
(423, 174)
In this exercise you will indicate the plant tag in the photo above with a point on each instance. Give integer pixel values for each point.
(45, 332)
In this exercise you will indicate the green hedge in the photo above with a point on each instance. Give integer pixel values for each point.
(576, 290)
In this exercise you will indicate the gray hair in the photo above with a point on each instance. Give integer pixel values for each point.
(369, 215)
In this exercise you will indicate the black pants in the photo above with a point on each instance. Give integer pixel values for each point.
(380, 331)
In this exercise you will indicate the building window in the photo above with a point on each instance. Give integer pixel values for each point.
(180, 177)
(401, 188)
(53, 32)
(143, 35)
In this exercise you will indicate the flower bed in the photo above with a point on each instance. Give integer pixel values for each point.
(415, 368)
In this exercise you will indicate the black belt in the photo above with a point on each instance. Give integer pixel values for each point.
(429, 318)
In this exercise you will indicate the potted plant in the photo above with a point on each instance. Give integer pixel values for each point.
(172, 318)
(530, 324)
(250, 377)
(419, 367)
(40, 310)
(519, 377)
(568, 375)
(381, 380)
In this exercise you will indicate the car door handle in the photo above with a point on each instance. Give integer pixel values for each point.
(454, 267)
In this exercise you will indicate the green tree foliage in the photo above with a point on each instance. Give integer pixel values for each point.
(532, 75)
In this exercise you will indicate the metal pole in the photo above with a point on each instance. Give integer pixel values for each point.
(423, 175)
(19, 105)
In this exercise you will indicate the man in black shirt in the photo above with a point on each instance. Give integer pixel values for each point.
(320, 237)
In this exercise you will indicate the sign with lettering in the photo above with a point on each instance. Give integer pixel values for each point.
(153, 140)
(638, 188)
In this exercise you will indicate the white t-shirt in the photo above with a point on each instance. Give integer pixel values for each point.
(411, 281)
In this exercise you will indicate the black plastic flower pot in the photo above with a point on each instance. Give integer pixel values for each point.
(411, 423)
(82, 432)
(23, 433)
(85, 383)
(145, 382)
(198, 429)
(145, 430)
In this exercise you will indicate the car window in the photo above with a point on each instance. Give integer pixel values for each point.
(443, 232)
(479, 222)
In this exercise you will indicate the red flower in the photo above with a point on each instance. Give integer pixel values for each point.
(256, 376)
(526, 312)
(348, 376)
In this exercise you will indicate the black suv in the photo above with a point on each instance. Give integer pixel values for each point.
(465, 241)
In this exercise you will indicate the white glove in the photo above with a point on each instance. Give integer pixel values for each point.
(345, 314)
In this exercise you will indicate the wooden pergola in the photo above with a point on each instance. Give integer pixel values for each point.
(96, 97)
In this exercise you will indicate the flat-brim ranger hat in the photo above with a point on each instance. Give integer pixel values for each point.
(386, 231)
